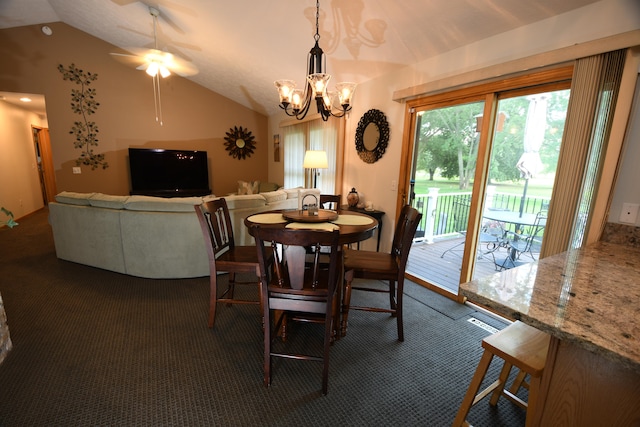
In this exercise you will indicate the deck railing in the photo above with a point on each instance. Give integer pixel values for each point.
(447, 214)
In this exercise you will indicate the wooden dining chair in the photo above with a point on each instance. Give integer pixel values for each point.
(390, 267)
(294, 289)
(330, 201)
(224, 255)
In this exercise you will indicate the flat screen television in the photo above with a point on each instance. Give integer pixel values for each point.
(168, 173)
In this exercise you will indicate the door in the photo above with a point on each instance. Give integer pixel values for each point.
(44, 162)
(481, 172)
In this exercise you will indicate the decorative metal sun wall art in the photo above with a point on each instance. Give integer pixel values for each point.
(239, 142)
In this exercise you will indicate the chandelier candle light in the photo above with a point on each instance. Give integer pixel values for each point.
(296, 102)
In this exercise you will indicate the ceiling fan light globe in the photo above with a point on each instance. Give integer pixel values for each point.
(164, 71)
(152, 69)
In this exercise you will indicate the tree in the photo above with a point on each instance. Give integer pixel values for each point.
(448, 141)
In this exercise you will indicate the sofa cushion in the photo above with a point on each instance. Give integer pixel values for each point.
(292, 193)
(274, 196)
(246, 201)
(100, 200)
(161, 204)
(250, 187)
(72, 198)
(268, 186)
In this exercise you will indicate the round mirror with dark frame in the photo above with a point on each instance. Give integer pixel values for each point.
(372, 136)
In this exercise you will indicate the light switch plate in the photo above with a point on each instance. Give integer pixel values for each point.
(77, 170)
(629, 213)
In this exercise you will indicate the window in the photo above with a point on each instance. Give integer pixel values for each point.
(310, 135)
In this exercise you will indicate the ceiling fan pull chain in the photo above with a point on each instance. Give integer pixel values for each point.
(157, 102)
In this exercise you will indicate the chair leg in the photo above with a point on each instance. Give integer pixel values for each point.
(232, 287)
(504, 375)
(335, 320)
(518, 382)
(399, 310)
(469, 397)
(532, 403)
(346, 302)
(267, 348)
(392, 297)
(213, 299)
(328, 330)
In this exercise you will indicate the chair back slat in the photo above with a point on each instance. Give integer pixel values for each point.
(293, 269)
(405, 231)
(223, 254)
(330, 201)
(216, 220)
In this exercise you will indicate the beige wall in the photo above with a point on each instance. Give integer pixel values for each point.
(194, 117)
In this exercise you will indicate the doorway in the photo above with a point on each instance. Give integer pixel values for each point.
(481, 165)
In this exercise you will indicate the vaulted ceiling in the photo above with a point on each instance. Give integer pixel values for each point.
(242, 46)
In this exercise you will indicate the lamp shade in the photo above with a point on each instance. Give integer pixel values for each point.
(315, 160)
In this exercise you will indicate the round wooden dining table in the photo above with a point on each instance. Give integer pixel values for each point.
(353, 226)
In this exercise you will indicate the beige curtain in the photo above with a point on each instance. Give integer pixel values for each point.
(294, 139)
(324, 136)
(594, 91)
(310, 135)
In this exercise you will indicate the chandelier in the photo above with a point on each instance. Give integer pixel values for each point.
(296, 102)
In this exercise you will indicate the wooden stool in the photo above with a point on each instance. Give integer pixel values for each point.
(519, 345)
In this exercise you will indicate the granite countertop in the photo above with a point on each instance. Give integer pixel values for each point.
(588, 296)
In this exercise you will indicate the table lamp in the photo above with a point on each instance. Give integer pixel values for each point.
(315, 160)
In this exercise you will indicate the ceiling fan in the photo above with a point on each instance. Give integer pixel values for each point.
(157, 63)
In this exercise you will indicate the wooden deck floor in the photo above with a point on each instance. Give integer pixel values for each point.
(426, 262)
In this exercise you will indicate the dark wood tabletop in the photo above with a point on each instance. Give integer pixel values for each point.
(349, 233)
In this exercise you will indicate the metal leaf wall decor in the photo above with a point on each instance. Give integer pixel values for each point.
(83, 102)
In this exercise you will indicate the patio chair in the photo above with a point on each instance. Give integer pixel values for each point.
(491, 235)
(528, 242)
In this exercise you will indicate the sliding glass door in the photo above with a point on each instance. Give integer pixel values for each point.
(481, 171)
(442, 177)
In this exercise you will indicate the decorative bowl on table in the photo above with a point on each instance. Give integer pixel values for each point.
(323, 215)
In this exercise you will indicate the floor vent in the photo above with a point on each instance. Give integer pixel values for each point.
(481, 324)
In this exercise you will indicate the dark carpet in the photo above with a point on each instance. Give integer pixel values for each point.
(92, 347)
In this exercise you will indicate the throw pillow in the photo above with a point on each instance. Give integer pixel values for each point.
(268, 186)
(250, 187)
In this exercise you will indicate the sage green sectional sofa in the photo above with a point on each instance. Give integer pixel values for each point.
(146, 236)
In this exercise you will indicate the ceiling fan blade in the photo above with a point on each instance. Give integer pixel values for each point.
(181, 67)
(141, 58)
(128, 59)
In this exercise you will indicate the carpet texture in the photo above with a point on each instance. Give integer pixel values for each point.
(92, 347)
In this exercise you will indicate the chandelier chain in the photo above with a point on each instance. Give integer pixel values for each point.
(317, 36)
